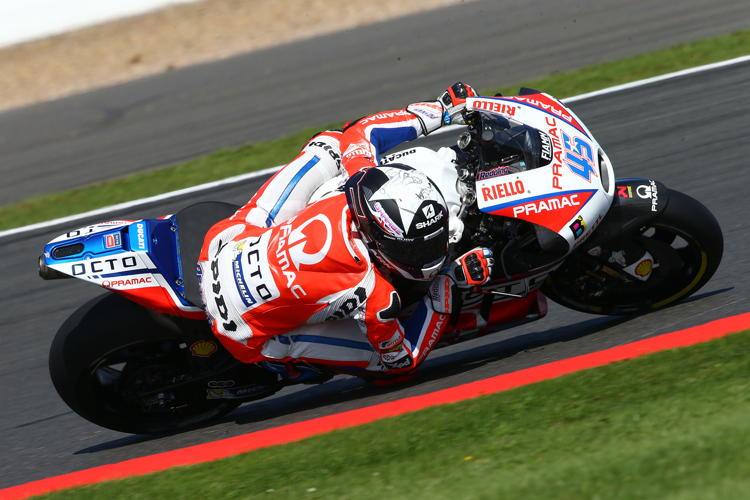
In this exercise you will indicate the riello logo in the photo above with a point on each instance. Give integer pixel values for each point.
(502, 190)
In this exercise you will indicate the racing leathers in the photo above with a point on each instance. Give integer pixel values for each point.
(279, 266)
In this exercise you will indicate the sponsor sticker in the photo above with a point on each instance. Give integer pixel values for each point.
(396, 156)
(618, 258)
(550, 106)
(591, 229)
(234, 392)
(502, 190)
(553, 211)
(496, 106)
(495, 172)
(239, 276)
(203, 348)
(578, 227)
(138, 235)
(129, 282)
(352, 303)
(106, 265)
(546, 153)
(220, 384)
(112, 241)
(650, 191)
(554, 137)
(429, 111)
(595, 252)
(625, 191)
(383, 116)
(358, 149)
(430, 214)
(546, 205)
(644, 268)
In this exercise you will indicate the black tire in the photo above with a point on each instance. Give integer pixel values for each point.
(111, 348)
(687, 245)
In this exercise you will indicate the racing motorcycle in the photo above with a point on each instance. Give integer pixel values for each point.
(526, 179)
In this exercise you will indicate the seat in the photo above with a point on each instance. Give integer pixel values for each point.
(193, 223)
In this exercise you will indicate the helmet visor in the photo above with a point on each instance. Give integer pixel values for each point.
(415, 253)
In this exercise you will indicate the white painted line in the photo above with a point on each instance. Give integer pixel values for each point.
(142, 201)
(239, 178)
(648, 81)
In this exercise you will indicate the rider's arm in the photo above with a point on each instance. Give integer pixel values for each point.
(403, 343)
(365, 139)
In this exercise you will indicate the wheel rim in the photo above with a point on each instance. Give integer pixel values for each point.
(679, 265)
(125, 386)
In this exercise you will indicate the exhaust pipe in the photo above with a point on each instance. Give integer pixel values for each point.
(48, 273)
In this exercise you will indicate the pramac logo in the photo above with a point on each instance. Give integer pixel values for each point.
(311, 246)
(307, 245)
(552, 211)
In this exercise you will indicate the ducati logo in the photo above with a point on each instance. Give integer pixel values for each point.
(429, 211)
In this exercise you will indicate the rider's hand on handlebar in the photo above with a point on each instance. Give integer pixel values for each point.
(453, 101)
(472, 268)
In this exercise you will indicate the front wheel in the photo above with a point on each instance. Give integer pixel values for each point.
(686, 244)
(115, 365)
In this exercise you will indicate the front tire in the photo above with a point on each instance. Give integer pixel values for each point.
(686, 243)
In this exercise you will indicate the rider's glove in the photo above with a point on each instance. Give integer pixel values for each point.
(472, 268)
(453, 101)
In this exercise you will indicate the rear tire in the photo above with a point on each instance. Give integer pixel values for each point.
(109, 351)
(686, 243)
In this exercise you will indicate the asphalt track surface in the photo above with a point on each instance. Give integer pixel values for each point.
(689, 133)
(268, 94)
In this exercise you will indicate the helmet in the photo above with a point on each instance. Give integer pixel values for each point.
(512, 145)
(402, 217)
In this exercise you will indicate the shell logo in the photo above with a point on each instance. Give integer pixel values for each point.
(644, 268)
(203, 348)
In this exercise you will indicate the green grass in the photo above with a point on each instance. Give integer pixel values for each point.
(672, 425)
(216, 166)
(640, 67)
(252, 157)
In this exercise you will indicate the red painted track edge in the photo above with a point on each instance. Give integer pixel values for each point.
(294, 432)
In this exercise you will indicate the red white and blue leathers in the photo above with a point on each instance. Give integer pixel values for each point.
(279, 269)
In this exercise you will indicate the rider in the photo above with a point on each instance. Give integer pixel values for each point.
(279, 264)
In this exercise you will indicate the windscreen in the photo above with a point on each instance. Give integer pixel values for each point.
(512, 145)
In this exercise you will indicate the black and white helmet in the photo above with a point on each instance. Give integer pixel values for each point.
(402, 217)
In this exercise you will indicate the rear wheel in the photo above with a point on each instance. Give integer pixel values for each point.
(115, 365)
(686, 244)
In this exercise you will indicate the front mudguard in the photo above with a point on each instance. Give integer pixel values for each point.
(636, 203)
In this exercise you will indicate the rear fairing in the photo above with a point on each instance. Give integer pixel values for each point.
(139, 260)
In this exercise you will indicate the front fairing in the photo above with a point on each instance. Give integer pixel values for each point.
(571, 194)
